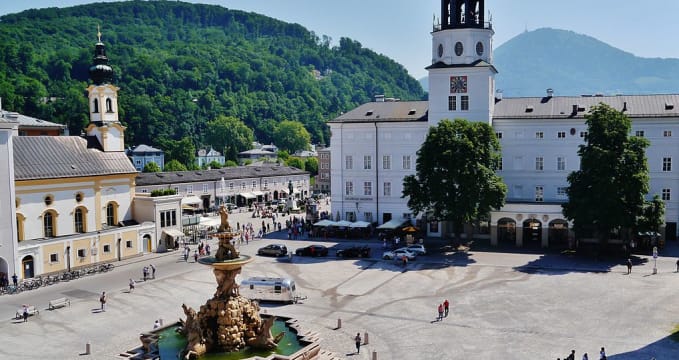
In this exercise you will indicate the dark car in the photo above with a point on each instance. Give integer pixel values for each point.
(354, 252)
(273, 250)
(312, 250)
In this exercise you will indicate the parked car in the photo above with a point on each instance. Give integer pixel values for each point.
(398, 254)
(354, 252)
(417, 249)
(312, 250)
(273, 250)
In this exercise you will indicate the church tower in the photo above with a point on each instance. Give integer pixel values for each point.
(462, 77)
(103, 103)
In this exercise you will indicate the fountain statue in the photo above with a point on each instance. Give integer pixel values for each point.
(227, 322)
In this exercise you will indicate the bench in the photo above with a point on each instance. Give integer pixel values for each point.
(31, 311)
(57, 303)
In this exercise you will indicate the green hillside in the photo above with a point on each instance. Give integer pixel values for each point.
(181, 65)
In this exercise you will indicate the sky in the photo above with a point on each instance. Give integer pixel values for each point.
(400, 29)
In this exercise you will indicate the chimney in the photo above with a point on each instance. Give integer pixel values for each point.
(550, 92)
(624, 106)
(498, 95)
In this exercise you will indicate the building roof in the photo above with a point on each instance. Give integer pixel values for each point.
(144, 149)
(27, 121)
(562, 107)
(386, 111)
(257, 152)
(50, 157)
(228, 173)
(477, 64)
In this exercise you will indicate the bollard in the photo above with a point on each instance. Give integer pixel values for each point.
(365, 339)
(87, 348)
(339, 323)
(160, 321)
(374, 355)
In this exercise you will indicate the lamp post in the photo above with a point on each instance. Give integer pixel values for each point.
(655, 260)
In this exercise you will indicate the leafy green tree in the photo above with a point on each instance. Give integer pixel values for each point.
(183, 151)
(230, 163)
(295, 162)
(213, 165)
(151, 168)
(292, 136)
(607, 193)
(174, 165)
(455, 176)
(652, 215)
(231, 134)
(311, 165)
(283, 155)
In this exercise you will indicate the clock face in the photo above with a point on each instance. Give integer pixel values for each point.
(440, 50)
(459, 48)
(479, 48)
(458, 84)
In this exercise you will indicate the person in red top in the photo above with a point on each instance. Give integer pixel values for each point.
(440, 313)
(446, 306)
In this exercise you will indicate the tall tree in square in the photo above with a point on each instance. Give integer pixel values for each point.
(608, 191)
(455, 178)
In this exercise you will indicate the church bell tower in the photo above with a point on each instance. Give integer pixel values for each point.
(462, 75)
(103, 103)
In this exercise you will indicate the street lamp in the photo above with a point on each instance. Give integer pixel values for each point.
(655, 260)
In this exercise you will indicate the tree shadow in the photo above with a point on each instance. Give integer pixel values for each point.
(665, 348)
(565, 262)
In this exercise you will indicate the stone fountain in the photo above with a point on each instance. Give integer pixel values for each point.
(227, 322)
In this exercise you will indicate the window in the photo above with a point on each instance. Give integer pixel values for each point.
(79, 220)
(560, 163)
(349, 162)
(95, 104)
(666, 194)
(452, 103)
(109, 105)
(539, 163)
(242, 185)
(176, 190)
(583, 134)
(168, 218)
(639, 133)
(111, 216)
(368, 216)
(349, 188)
(107, 248)
(128, 244)
(433, 226)
(82, 253)
(561, 191)
(539, 194)
(350, 216)
(500, 164)
(54, 258)
(539, 135)
(387, 189)
(367, 162)
(464, 102)
(48, 200)
(386, 162)
(561, 134)
(48, 219)
(189, 189)
(144, 191)
(667, 133)
(204, 188)
(266, 184)
(406, 162)
(407, 216)
(667, 164)
(138, 162)
(231, 186)
(498, 135)
(367, 188)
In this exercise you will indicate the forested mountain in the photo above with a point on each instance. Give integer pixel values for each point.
(182, 65)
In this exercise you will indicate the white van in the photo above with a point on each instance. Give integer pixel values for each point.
(269, 289)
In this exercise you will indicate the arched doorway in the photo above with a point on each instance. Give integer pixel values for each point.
(148, 245)
(275, 195)
(4, 268)
(27, 267)
(506, 232)
(558, 234)
(532, 233)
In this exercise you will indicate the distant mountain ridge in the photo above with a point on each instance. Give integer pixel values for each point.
(576, 64)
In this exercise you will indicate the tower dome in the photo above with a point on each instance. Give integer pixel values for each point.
(100, 71)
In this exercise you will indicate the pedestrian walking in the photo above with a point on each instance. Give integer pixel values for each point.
(145, 272)
(602, 354)
(440, 309)
(153, 271)
(357, 339)
(131, 284)
(571, 356)
(678, 265)
(195, 255)
(585, 357)
(446, 306)
(629, 266)
(15, 279)
(25, 312)
(102, 300)
(207, 249)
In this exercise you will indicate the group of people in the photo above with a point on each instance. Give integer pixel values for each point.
(571, 356)
(4, 281)
(148, 272)
(443, 309)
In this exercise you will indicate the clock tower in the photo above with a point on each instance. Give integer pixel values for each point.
(461, 76)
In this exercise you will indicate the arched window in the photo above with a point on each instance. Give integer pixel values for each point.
(109, 105)
(20, 227)
(111, 214)
(96, 106)
(79, 220)
(49, 224)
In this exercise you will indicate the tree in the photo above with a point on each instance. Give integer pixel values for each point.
(607, 193)
(311, 165)
(291, 136)
(151, 167)
(183, 151)
(295, 162)
(231, 134)
(174, 165)
(230, 163)
(214, 164)
(455, 176)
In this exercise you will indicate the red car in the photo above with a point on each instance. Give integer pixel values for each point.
(312, 250)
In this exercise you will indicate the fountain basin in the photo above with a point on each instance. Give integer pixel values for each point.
(232, 264)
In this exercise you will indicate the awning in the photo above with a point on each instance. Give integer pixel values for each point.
(210, 221)
(343, 223)
(359, 224)
(295, 191)
(258, 193)
(325, 223)
(191, 200)
(174, 233)
(391, 224)
(284, 191)
(248, 195)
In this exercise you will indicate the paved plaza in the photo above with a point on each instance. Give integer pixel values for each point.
(503, 305)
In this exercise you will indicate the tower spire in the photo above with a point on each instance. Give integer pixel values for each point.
(100, 71)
